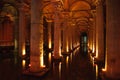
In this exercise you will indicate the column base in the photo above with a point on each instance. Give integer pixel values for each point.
(50, 50)
(58, 59)
(38, 73)
(66, 53)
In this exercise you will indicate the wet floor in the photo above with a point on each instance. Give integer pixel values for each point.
(76, 66)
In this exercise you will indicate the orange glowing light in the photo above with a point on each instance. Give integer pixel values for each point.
(50, 44)
(29, 65)
(23, 63)
(23, 52)
(104, 69)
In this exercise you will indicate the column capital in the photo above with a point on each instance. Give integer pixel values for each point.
(23, 7)
(99, 2)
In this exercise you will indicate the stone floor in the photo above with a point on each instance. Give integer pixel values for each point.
(73, 67)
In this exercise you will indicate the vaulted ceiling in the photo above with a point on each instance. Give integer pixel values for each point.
(77, 12)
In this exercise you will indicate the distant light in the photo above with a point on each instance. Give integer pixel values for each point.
(29, 65)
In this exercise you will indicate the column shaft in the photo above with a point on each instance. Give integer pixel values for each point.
(113, 38)
(36, 39)
(99, 32)
(22, 26)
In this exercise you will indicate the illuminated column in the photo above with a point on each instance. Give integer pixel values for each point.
(57, 32)
(36, 39)
(113, 39)
(90, 38)
(49, 35)
(64, 39)
(70, 41)
(74, 38)
(99, 32)
(57, 38)
(94, 33)
(22, 25)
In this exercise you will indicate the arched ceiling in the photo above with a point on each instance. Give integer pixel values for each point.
(77, 11)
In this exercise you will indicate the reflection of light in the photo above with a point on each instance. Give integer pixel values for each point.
(15, 44)
(67, 58)
(49, 56)
(71, 57)
(96, 67)
(23, 63)
(60, 69)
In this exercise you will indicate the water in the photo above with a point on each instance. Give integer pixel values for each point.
(73, 67)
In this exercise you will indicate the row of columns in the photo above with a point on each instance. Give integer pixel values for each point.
(112, 37)
(36, 37)
(106, 44)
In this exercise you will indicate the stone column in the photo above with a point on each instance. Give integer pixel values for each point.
(22, 25)
(113, 39)
(57, 38)
(94, 34)
(57, 32)
(64, 39)
(36, 39)
(99, 32)
(69, 37)
(49, 35)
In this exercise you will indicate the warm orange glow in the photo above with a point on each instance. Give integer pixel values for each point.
(50, 45)
(23, 51)
(104, 69)
(49, 57)
(60, 65)
(96, 67)
(42, 61)
(29, 65)
(93, 50)
(71, 57)
(96, 52)
(23, 63)
(15, 44)
(67, 48)
(67, 59)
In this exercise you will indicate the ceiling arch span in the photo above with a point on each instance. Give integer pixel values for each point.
(80, 5)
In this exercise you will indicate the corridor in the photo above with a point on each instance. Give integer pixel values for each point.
(71, 67)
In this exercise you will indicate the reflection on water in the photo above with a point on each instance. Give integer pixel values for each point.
(60, 70)
(23, 63)
(67, 59)
(96, 69)
(49, 58)
(71, 67)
